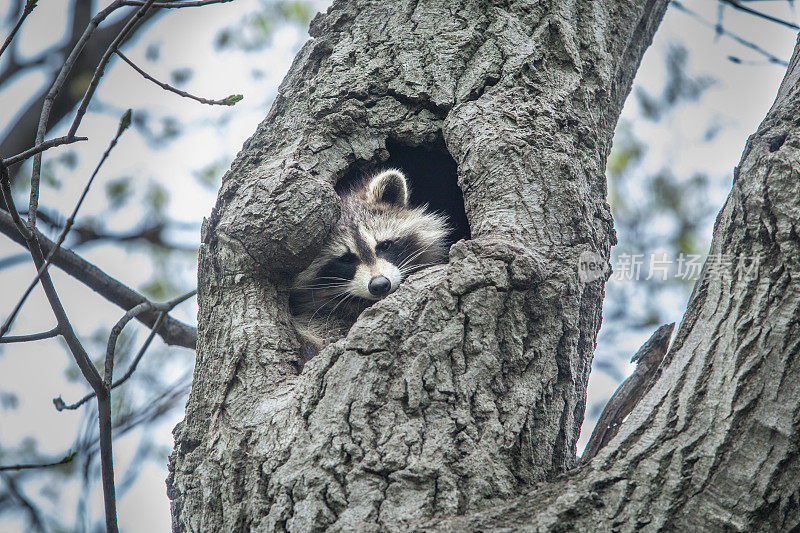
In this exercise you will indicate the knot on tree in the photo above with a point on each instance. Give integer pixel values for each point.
(280, 220)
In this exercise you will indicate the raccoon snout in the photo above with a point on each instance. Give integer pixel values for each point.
(379, 286)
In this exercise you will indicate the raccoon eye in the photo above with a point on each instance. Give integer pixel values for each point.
(349, 258)
(383, 246)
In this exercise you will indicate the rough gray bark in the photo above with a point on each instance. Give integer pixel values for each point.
(465, 387)
(631, 391)
(715, 444)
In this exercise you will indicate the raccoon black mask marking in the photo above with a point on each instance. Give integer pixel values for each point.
(378, 241)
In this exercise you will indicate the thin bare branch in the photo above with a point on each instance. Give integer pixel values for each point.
(736, 5)
(32, 337)
(5, 189)
(65, 460)
(122, 322)
(123, 125)
(107, 459)
(176, 5)
(772, 58)
(98, 73)
(165, 308)
(173, 332)
(35, 514)
(47, 105)
(151, 232)
(29, 5)
(115, 333)
(39, 148)
(228, 101)
(79, 353)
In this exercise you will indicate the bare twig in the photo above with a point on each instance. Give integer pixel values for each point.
(98, 73)
(59, 402)
(88, 370)
(5, 188)
(25, 123)
(115, 333)
(36, 520)
(229, 101)
(176, 5)
(736, 5)
(103, 394)
(65, 327)
(152, 232)
(142, 350)
(65, 460)
(39, 148)
(107, 459)
(125, 121)
(32, 337)
(173, 332)
(122, 322)
(633, 389)
(47, 105)
(772, 58)
(29, 5)
(164, 309)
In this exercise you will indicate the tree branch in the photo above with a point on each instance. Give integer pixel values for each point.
(176, 5)
(98, 73)
(35, 513)
(164, 308)
(5, 188)
(173, 332)
(47, 106)
(772, 58)
(229, 101)
(24, 127)
(65, 460)
(29, 5)
(41, 148)
(633, 389)
(32, 337)
(125, 121)
(736, 5)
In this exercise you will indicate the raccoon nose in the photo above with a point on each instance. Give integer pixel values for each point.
(379, 286)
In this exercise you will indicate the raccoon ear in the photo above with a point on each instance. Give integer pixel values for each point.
(388, 187)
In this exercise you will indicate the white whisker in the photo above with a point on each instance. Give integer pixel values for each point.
(326, 302)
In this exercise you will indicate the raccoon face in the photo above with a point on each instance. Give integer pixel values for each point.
(378, 241)
(372, 265)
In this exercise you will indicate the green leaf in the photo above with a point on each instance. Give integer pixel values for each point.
(299, 13)
(181, 75)
(118, 191)
(211, 174)
(232, 99)
(125, 121)
(156, 198)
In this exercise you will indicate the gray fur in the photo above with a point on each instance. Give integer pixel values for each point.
(376, 211)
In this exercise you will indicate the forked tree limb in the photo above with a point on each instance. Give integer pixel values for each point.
(172, 331)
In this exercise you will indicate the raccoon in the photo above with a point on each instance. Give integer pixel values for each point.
(378, 241)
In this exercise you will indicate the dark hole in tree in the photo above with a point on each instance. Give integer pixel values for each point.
(432, 175)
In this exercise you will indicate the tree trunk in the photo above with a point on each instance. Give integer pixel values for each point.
(466, 387)
(715, 444)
